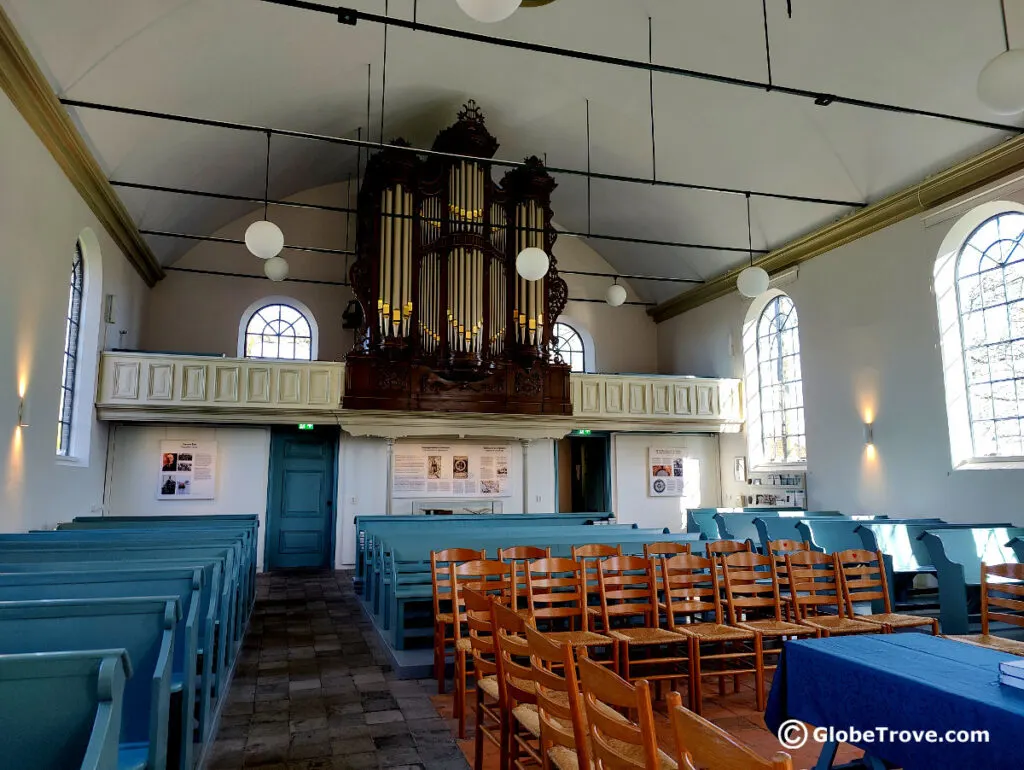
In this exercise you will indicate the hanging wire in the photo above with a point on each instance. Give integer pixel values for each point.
(384, 75)
(767, 45)
(789, 8)
(266, 181)
(650, 59)
(750, 238)
(1006, 30)
(588, 170)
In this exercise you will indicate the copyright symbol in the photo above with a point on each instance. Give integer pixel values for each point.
(792, 734)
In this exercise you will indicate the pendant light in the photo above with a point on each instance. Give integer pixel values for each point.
(488, 11)
(532, 263)
(752, 281)
(263, 238)
(616, 294)
(276, 268)
(1001, 82)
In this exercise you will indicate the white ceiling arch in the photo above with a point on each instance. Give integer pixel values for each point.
(253, 62)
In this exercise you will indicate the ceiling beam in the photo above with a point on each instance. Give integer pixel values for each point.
(957, 180)
(27, 88)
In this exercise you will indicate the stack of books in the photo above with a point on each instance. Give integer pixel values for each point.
(1011, 673)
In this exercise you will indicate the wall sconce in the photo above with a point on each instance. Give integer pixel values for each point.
(23, 412)
(869, 433)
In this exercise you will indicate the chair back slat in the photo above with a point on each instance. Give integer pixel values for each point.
(515, 556)
(814, 581)
(626, 586)
(702, 744)
(726, 547)
(481, 631)
(515, 674)
(440, 573)
(690, 588)
(603, 693)
(559, 702)
(751, 584)
(864, 579)
(554, 589)
(665, 549)
(1002, 586)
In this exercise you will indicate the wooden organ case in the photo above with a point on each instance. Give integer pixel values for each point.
(450, 325)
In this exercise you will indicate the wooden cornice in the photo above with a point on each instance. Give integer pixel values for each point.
(960, 179)
(29, 91)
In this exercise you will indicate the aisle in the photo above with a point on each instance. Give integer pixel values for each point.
(314, 692)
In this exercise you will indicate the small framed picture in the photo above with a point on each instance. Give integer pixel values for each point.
(739, 469)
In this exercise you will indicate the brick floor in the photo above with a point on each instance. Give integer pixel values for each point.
(313, 690)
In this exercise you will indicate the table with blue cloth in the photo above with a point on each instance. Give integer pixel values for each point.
(908, 681)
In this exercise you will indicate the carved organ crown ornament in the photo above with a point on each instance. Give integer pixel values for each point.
(449, 324)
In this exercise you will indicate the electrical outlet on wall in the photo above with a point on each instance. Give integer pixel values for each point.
(354, 500)
(537, 499)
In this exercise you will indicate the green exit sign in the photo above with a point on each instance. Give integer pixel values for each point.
(306, 426)
(581, 432)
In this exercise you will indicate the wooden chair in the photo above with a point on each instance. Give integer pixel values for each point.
(492, 579)
(489, 721)
(555, 593)
(628, 594)
(753, 603)
(864, 580)
(564, 742)
(815, 584)
(516, 556)
(517, 692)
(589, 555)
(692, 595)
(779, 549)
(665, 549)
(1002, 588)
(717, 548)
(440, 578)
(701, 745)
(619, 744)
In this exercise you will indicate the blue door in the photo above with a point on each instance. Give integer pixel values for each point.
(300, 504)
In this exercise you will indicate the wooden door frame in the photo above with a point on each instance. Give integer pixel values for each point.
(330, 433)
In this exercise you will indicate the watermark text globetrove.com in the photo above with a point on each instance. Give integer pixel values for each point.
(793, 734)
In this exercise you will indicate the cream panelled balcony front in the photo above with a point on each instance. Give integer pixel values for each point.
(151, 387)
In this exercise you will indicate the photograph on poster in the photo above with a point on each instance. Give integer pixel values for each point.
(170, 461)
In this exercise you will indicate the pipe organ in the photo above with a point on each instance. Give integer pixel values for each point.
(450, 324)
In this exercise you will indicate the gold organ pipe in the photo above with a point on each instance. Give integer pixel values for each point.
(386, 259)
(407, 305)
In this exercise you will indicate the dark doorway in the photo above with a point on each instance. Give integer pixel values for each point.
(300, 498)
(584, 474)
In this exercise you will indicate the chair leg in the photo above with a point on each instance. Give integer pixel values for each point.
(759, 672)
(503, 743)
(478, 757)
(698, 689)
(460, 692)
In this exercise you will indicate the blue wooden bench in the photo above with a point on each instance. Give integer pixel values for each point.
(743, 526)
(62, 710)
(785, 526)
(957, 554)
(143, 627)
(184, 583)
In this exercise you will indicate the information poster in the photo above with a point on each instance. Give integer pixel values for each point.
(451, 470)
(669, 470)
(188, 470)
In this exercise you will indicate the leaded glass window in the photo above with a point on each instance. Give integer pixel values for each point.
(569, 346)
(780, 383)
(72, 332)
(278, 331)
(990, 303)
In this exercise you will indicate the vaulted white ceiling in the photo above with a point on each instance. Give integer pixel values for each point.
(252, 62)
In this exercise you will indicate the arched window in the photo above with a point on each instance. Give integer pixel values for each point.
(72, 334)
(569, 346)
(278, 329)
(981, 308)
(774, 381)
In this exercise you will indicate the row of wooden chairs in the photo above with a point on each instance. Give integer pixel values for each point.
(685, 616)
(538, 711)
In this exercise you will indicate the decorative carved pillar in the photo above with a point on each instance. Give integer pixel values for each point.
(391, 475)
(526, 474)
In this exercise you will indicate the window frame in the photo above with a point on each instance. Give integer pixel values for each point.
(294, 304)
(579, 336)
(71, 360)
(753, 387)
(952, 342)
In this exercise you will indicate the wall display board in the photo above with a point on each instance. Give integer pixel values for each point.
(188, 470)
(451, 470)
(668, 470)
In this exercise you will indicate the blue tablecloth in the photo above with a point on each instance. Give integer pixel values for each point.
(903, 682)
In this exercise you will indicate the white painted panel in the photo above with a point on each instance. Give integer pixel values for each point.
(161, 382)
(320, 387)
(193, 382)
(126, 380)
(289, 386)
(590, 397)
(638, 397)
(661, 398)
(683, 400)
(226, 383)
(614, 397)
(257, 385)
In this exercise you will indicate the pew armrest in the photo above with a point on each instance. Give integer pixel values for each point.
(160, 692)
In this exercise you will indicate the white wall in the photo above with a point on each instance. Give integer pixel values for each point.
(243, 462)
(630, 480)
(869, 339)
(41, 217)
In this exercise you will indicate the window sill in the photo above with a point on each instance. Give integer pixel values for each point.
(774, 467)
(72, 462)
(991, 464)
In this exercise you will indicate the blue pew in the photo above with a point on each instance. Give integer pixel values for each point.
(785, 527)
(957, 554)
(144, 627)
(184, 583)
(743, 526)
(62, 710)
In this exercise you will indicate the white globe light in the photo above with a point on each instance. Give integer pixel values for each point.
(276, 268)
(752, 282)
(615, 295)
(532, 263)
(1001, 83)
(264, 239)
(488, 11)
